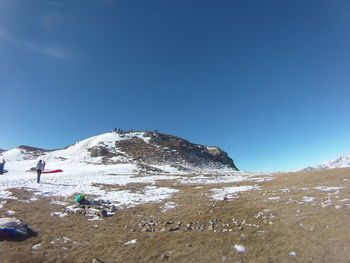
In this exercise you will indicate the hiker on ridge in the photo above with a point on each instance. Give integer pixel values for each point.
(2, 165)
(39, 168)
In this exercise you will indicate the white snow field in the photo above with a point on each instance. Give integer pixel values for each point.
(89, 180)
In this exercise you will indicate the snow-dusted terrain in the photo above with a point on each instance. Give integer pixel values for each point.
(108, 153)
(340, 162)
(92, 180)
(99, 176)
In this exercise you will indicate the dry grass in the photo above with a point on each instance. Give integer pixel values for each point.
(315, 233)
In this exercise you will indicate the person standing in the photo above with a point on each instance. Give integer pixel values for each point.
(2, 165)
(39, 169)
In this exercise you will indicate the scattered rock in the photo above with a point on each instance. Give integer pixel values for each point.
(239, 248)
(293, 254)
(164, 256)
(103, 213)
(174, 228)
(13, 228)
(36, 247)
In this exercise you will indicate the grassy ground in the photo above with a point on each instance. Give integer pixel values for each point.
(270, 223)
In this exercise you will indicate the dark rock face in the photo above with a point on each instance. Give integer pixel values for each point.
(168, 149)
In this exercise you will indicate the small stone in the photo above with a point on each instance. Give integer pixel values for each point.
(164, 256)
(103, 213)
(174, 228)
(163, 230)
(112, 209)
(293, 254)
(239, 248)
(96, 260)
(201, 228)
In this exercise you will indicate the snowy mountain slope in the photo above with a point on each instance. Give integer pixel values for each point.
(125, 153)
(340, 162)
(22, 152)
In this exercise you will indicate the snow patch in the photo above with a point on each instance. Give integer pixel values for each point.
(234, 177)
(2, 203)
(57, 202)
(58, 214)
(230, 192)
(328, 188)
(308, 199)
(293, 254)
(168, 205)
(10, 212)
(36, 247)
(239, 248)
(131, 242)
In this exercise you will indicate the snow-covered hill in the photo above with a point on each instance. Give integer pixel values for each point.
(125, 153)
(340, 162)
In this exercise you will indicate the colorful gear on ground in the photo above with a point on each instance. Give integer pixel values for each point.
(79, 198)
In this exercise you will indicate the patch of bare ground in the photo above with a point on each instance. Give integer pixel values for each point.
(289, 219)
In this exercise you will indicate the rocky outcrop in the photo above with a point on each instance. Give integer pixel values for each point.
(158, 149)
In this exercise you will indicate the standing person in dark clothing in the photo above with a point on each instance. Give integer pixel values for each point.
(2, 165)
(39, 169)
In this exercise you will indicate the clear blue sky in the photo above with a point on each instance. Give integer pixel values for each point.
(267, 81)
